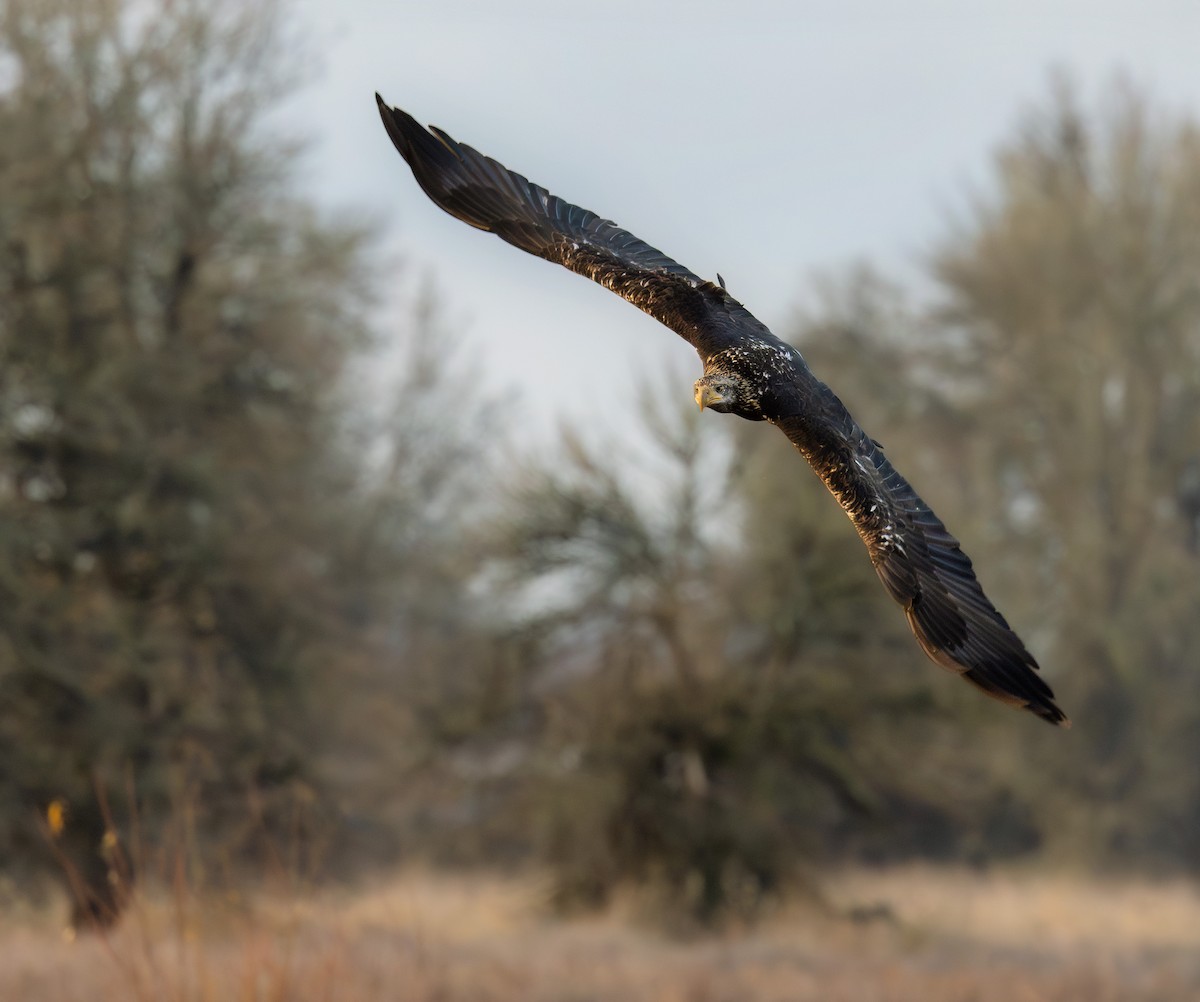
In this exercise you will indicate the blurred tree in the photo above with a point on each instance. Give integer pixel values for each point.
(186, 547)
(1071, 324)
(716, 703)
(426, 667)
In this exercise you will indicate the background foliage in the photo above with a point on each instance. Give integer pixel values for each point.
(239, 574)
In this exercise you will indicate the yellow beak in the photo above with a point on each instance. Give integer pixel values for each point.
(706, 396)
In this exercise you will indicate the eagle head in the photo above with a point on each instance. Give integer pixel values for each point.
(728, 393)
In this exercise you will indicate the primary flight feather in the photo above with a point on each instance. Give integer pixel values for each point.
(751, 373)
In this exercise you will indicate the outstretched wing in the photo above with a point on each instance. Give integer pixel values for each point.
(486, 194)
(920, 563)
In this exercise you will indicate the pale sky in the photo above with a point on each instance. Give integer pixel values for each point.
(769, 141)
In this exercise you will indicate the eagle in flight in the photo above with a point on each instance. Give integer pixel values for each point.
(751, 373)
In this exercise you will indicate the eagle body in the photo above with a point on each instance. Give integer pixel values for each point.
(750, 372)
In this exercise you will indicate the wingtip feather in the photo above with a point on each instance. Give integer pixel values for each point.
(1050, 713)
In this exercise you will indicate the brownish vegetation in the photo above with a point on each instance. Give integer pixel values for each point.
(914, 933)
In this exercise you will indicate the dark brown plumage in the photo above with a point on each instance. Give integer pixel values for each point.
(750, 372)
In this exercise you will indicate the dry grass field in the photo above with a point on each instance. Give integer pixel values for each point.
(913, 933)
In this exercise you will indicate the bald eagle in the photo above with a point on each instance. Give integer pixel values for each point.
(751, 373)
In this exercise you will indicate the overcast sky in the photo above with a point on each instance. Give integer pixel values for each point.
(767, 140)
